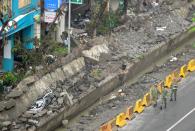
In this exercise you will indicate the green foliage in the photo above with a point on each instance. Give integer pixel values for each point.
(193, 45)
(1, 85)
(59, 51)
(29, 57)
(9, 79)
(96, 73)
(191, 29)
(109, 21)
(141, 57)
(193, 20)
(103, 24)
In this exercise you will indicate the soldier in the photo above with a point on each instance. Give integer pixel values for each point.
(154, 95)
(164, 98)
(173, 92)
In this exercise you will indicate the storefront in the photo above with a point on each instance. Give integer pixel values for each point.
(24, 13)
(1, 54)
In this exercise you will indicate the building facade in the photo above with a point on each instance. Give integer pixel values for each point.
(23, 24)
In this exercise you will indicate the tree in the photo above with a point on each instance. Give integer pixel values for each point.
(5, 19)
(97, 18)
(46, 40)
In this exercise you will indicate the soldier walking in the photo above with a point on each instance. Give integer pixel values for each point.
(164, 98)
(173, 93)
(154, 95)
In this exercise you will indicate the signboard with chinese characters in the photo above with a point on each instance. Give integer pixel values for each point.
(51, 5)
(49, 16)
(75, 1)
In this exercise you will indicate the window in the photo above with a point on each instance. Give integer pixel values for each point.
(23, 3)
(5, 5)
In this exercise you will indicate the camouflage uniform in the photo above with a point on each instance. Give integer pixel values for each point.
(164, 98)
(173, 92)
(154, 95)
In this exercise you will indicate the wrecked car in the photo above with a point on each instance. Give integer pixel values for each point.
(43, 102)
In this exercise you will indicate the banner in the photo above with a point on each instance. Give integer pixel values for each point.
(79, 2)
(51, 5)
(49, 16)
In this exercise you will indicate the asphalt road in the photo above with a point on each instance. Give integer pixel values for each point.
(179, 115)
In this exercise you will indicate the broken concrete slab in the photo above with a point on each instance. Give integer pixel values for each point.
(65, 123)
(6, 123)
(10, 104)
(73, 67)
(95, 52)
(2, 106)
(14, 94)
(33, 122)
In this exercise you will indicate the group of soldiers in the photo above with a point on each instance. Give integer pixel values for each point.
(164, 95)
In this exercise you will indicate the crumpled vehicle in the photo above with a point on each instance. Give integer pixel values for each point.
(43, 102)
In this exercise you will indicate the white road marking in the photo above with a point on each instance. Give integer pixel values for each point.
(181, 120)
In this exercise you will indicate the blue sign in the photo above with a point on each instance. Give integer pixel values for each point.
(51, 5)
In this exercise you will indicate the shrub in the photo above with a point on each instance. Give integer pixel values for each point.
(109, 21)
(9, 79)
(96, 73)
(1, 85)
(60, 51)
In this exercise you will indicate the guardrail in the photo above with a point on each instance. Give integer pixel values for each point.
(173, 78)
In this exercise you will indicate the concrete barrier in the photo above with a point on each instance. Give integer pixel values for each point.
(121, 120)
(129, 113)
(146, 100)
(138, 107)
(183, 71)
(106, 127)
(168, 81)
(191, 65)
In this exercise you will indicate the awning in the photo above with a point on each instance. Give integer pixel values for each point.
(22, 21)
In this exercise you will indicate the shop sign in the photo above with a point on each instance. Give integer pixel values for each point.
(49, 16)
(75, 2)
(51, 5)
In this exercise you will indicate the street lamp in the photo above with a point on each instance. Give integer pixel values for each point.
(69, 25)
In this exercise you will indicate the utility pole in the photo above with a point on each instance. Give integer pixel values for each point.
(69, 25)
